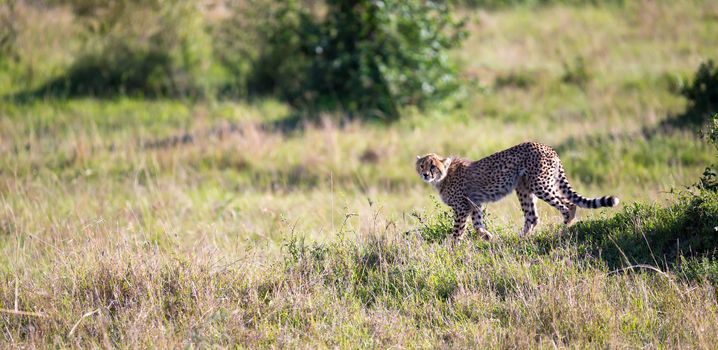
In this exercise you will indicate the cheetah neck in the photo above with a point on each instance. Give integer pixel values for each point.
(455, 167)
(439, 182)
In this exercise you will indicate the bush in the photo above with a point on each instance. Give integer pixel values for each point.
(36, 41)
(8, 32)
(360, 56)
(702, 93)
(261, 46)
(709, 179)
(378, 56)
(283, 65)
(147, 48)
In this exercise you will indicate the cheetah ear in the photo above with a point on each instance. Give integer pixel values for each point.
(446, 162)
(418, 157)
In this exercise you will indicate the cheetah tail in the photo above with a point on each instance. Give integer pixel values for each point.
(593, 203)
(581, 201)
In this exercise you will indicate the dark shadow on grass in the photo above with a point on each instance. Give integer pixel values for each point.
(291, 124)
(303, 117)
(294, 123)
(646, 234)
(679, 238)
(125, 73)
(694, 118)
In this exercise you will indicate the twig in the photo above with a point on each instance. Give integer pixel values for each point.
(639, 266)
(87, 314)
(331, 187)
(671, 281)
(17, 287)
(23, 313)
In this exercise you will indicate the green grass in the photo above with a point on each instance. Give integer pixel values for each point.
(175, 223)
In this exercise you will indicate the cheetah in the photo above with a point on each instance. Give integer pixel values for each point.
(532, 169)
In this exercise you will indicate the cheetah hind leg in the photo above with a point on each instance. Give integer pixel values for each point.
(555, 201)
(571, 212)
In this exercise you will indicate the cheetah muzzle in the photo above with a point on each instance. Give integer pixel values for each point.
(532, 169)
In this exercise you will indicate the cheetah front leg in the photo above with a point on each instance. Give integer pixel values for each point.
(460, 216)
(477, 218)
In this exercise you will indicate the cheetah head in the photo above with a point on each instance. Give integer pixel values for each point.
(432, 168)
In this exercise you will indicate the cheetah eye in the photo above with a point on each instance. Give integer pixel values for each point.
(433, 167)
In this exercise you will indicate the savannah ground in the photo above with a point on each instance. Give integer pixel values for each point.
(166, 223)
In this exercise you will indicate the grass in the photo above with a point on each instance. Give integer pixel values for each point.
(384, 288)
(166, 223)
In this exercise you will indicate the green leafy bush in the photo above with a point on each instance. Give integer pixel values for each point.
(262, 47)
(378, 56)
(368, 57)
